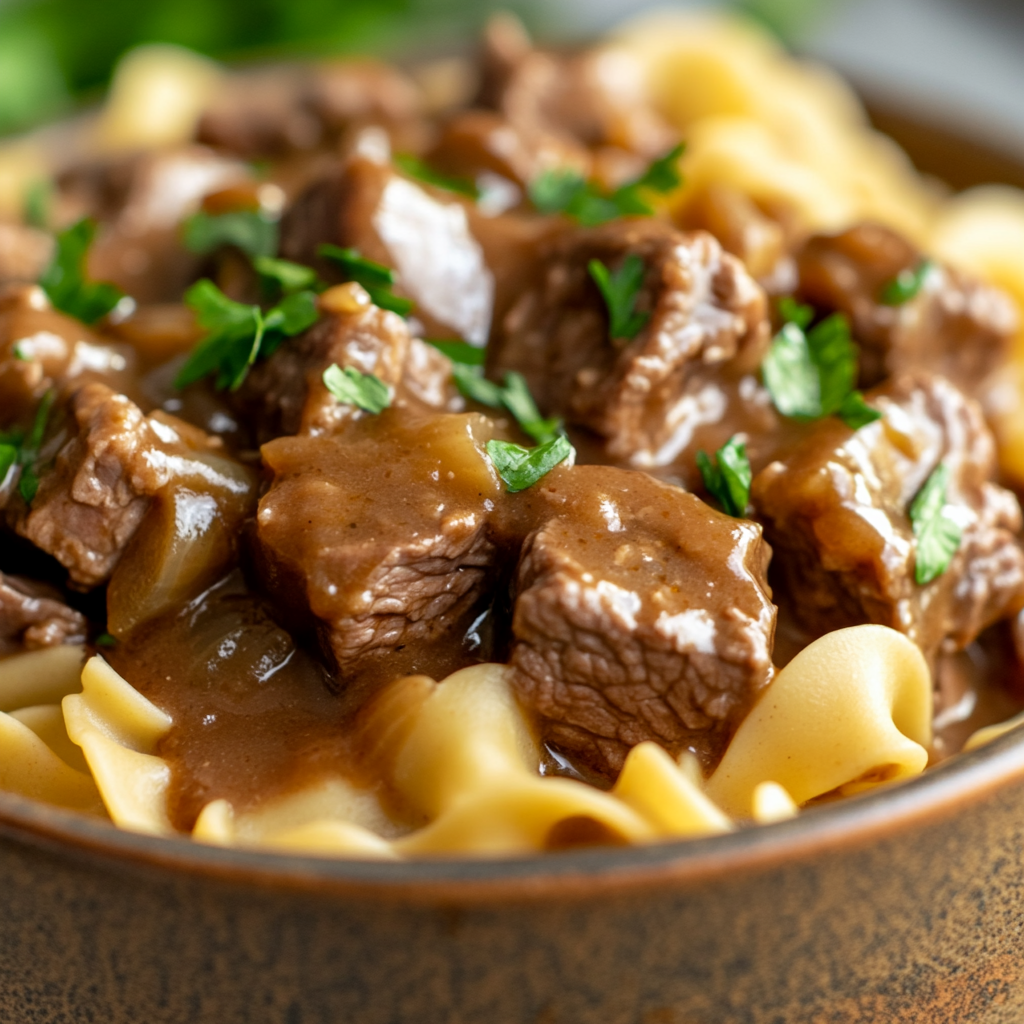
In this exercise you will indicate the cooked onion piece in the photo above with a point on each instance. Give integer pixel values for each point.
(849, 712)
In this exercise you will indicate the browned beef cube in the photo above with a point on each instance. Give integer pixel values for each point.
(34, 615)
(382, 534)
(955, 326)
(423, 234)
(704, 312)
(90, 503)
(642, 614)
(25, 253)
(286, 393)
(836, 512)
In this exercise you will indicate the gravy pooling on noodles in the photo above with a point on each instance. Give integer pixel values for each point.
(567, 462)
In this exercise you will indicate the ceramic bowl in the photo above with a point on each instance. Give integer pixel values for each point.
(904, 905)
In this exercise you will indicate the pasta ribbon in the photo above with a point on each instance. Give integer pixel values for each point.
(849, 712)
(993, 732)
(40, 677)
(118, 730)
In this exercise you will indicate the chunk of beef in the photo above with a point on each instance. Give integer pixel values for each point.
(836, 512)
(955, 326)
(382, 534)
(642, 614)
(89, 505)
(286, 394)
(25, 253)
(275, 111)
(42, 349)
(34, 615)
(423, 234)
(141, 202)
(704, 312)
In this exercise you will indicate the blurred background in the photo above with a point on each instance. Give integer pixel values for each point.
(954, 61)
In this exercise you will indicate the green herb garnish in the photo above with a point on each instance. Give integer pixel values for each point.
(812, 374)
(793, 312)
(287, 276)
(517, 399)
(65, 281)
(520, 467)
(374, 277)
(28, 455)
(8, 457)
(37, 203)
(249, 230)
(461, 352)
(569, 192)
(728, 480)
(938, 534)
(906, 284)
(414, 167)
(620, 290)
(106, 640)
(239, 334)
(363, 390)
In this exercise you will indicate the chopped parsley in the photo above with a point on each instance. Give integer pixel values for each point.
(793, 312)
(239, 334)
(569, 192)
(620, 290)
(377, 279)
(810, 374)
(938, 534)
(252, 231)
(8, 458)
(363, 390)
(288, 277)
(37, 204)
(517, 399)
(906, 284)
(461, 352)
(26, 452)
(414, 167)
(520, 468)
(106, 640)
(65, 281)
(728, 480)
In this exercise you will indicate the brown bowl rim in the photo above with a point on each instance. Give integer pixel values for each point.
(889, 812)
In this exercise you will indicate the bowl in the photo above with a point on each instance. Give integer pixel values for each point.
(904, 904)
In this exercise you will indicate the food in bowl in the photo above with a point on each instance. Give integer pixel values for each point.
(619, 449)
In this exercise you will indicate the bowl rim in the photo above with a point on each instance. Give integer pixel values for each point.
(888, 812)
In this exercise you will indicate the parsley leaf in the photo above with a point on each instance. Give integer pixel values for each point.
(65, 283)
(289, 277)
(363, 390)
(238, 334)
(374, 277)
(28, 456)
(8, 457)
(793, 312)
(906, 284)
(729, 480)
(855, 411)
(520, 467)
(938, 534)
(620, 291)
(105, 640)
(461, 352)
(569, 192)
(249, 230)
(414, 167)
(37, 204)
(472, 383)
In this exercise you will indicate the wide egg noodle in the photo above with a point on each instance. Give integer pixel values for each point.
(118, 731)
(850, 712)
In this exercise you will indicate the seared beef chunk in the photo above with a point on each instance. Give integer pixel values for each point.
(641, 395)
(382, 533)
(276, 111)
(34, 615)
(42, 349)
(642, 614)
(424, 235)
(836, 513)
(955, 326)
(286, 394)
(91, 502)
(25, 252)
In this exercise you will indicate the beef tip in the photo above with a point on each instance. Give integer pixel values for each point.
(41, 349)
(141, 202)
(955, 326)
(642, 614)
(286, 394)
(382, 535)
(103, 477)
(704, 312)
(423, 234)
(272, 112)
(25, 252)
(836, 512)
(34, 615)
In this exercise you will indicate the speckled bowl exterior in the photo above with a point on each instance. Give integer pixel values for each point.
(905, 905)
